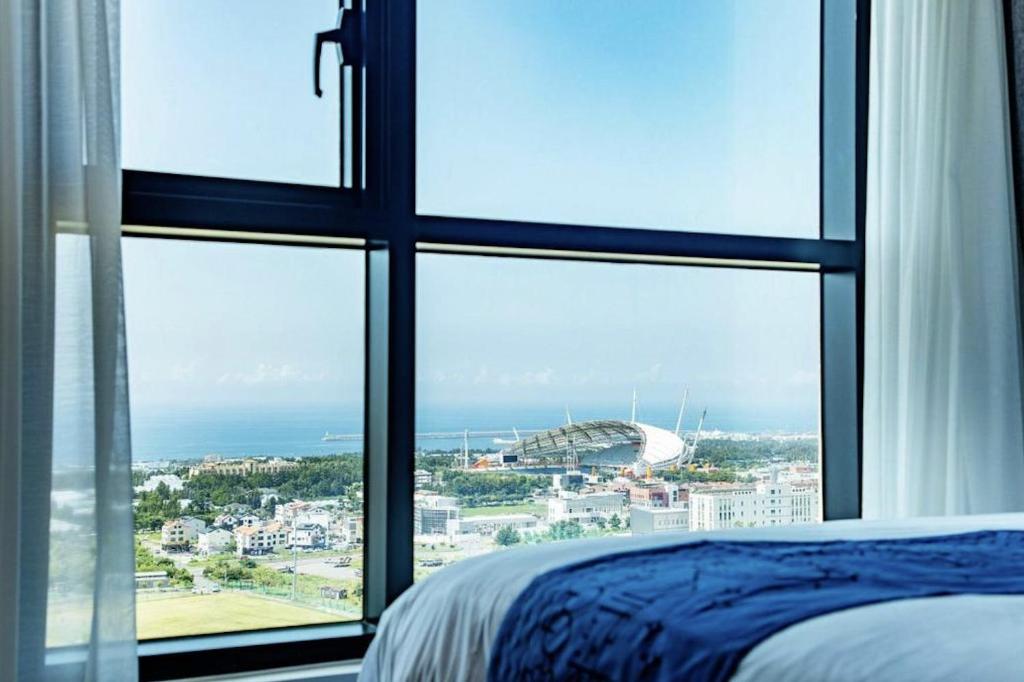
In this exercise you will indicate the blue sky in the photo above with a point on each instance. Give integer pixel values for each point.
(680, 115)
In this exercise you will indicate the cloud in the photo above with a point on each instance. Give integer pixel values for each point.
(268, 373)
(650, 375)
(803, 378)
(183, 373)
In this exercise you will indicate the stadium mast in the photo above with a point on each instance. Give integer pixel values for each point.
(682, 408)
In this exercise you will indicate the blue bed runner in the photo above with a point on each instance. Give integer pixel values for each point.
(692, 611)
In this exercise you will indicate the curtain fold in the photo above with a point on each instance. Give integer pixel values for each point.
(65, 464)
(943, 426)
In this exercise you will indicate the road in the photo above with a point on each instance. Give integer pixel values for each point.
(319, 567)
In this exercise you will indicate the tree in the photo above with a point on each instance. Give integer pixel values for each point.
(565, 530)
(507, 536)
(601, 523)
(615, 522)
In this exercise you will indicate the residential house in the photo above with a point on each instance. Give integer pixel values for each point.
(214, 541)
(260, 539)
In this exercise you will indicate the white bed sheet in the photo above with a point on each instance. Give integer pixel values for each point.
(441, 629)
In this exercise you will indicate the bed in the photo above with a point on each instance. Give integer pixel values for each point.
(445, 627)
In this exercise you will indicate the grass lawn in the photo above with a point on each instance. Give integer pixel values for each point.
(198, 614)
(527, 508)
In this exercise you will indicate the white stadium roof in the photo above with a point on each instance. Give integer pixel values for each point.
(606, 442)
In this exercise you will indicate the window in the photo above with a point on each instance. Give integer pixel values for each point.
(534, 190)
(699, 116)
(245, 365)
(234, 98)
(575, 399)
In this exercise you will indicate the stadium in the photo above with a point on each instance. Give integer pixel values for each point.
(610, 443)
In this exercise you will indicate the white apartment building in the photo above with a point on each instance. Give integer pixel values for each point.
(352, 529)
(214, 541)
(260, 539)
(308, 536)
(643, 520)
(771, 503)
(432, 513)
(585, 508)
(489, 525)
(422, 478)
(180, 534)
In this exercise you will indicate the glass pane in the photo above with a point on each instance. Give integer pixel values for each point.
(550, 401)
(698, 115)
(242, 357)
(225, 89)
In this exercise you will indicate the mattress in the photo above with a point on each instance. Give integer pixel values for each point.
(442, 628)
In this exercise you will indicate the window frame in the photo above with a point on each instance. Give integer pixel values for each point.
(381, 219)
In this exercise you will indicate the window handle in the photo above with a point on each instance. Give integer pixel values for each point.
(346, 35)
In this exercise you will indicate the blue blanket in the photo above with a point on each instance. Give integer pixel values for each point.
(692, 611)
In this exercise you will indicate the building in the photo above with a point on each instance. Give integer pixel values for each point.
(286, 513)
(214, 541)
(433, 520)
(585, 508)
(422, 478)
(608, 443)
(249, 520)
(643, 520)
(489, 525)
(352, 529)
(242, 467)
(303, 513)
(770, 503)
(176, 535)
(173, 483)
(570, 480)
(151, 580)
(180, 534)
(655, 495)
(227, 521)
(261, 539)
(192, 521)
(308, 536)
(432, 512)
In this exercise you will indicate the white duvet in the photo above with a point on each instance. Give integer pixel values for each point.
(442, 628)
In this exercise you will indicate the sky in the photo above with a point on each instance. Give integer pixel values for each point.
(696, 115)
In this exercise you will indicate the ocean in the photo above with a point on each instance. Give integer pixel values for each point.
(183, 433)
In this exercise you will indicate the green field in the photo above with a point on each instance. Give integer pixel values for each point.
(200, 614)
(528, 508)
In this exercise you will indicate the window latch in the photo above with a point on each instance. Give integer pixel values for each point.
(348, 40)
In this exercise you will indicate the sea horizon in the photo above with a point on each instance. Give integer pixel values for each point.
(175, 433)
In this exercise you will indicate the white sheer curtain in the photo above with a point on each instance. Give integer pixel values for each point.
(942, 386)
(65, 480)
